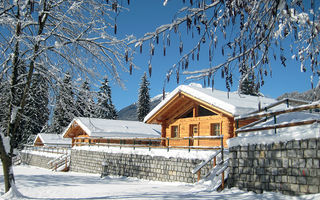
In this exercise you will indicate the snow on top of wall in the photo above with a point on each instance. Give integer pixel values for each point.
(232, 102)
(96, 127)
(175, 153)
(41, 153)
(282, 135)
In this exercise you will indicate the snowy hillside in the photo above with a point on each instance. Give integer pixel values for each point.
(130, 112)
(309, 95)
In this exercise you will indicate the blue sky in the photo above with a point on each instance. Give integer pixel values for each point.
(145, 16)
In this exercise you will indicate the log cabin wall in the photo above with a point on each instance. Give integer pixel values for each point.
(203, 125)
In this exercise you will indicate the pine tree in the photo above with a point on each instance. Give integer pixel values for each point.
(106, 109)
(144, 98)
(65, 107)
(85, 103)
(248, 86)
(37, 110)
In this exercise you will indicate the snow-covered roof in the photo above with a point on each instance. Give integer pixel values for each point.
(52, 139)
(233, 103)
(108, 128)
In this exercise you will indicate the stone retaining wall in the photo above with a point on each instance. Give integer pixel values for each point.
(35, 160)
(140, 166)
(291, 168)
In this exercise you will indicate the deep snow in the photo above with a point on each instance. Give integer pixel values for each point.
(38, 183)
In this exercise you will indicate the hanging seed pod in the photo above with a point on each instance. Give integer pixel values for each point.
(150, 69)
(107, 1)
(126, 56)
(128, 2)
(164, 51)
(199, 29)
(180, 48)
(115, 29)
(204, 82)
(189, 22)
(198, 56)
(191, 2)
(187, 64)
(192, 57)
(178, 77)
(157, 38)
(130, 68)
(141, 48)
(168, 78)
(115, 6)
(176, 28)
(163, 93)
(152, 50)
(210, 57)
(168, 40)
(222, 51)
(212, 83)
(222, 73)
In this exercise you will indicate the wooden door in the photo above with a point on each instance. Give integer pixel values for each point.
(193, 132)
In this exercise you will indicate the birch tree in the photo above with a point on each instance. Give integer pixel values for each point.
(246, 34)
(52, 36)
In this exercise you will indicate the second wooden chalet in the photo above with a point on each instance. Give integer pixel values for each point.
(84, 131)
(191, 111)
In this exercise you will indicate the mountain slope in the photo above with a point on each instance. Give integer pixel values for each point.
(309, 95)
(130, 112)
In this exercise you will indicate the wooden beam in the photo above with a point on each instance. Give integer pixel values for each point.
(279, 126)
(268, 114)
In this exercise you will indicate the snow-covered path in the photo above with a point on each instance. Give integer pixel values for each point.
(37, 183)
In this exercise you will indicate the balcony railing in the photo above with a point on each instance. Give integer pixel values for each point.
(168, 143)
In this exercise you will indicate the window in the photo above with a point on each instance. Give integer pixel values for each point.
(174, 131)
(215, 129)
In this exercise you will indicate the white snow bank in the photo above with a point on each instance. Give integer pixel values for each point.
(176, 153)
(13, 193)
(43, 184)
(282, 135)
(42, 153)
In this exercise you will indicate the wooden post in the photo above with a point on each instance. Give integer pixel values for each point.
(222, 181)
(199, 173)
(214, 161)
(168, 145)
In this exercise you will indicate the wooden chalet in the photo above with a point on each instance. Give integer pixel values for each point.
(51, 140)
(84, 131)
(194, 116)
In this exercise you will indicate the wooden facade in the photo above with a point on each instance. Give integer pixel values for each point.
(185, 116)
(38, 142)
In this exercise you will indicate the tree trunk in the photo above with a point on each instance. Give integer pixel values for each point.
(6, 160)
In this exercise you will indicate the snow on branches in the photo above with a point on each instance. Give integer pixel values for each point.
(247, 34)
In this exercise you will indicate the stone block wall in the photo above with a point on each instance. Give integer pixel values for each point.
(35, 160)
(291, 168)
(140, 166)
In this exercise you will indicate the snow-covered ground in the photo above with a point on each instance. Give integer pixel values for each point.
(38, 183)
